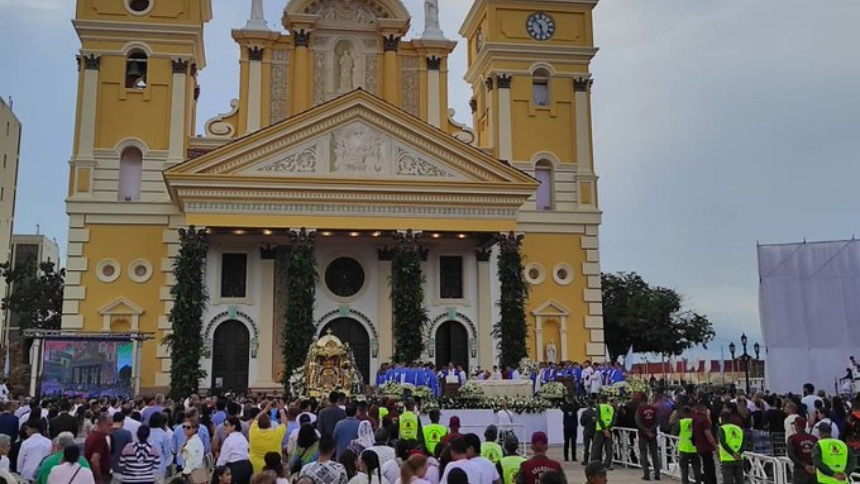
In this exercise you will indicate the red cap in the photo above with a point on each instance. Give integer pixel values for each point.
(454, 422)
(539, 438)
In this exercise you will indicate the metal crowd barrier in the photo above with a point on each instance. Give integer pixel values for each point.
(758, 468)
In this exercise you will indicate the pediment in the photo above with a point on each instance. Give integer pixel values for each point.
(354, 156)
(121, 306)
(355, 150)
(551, 308)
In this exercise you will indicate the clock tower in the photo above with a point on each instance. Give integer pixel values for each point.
(531, 106)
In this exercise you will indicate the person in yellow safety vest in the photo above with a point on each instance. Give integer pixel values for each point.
(687, 454)
(409, 426)
(603, 424)
(509, 466)
(731, 448)
(434, 433)
(490, 449)
(832, 459)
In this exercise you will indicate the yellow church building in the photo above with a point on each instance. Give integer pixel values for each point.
(341, 126)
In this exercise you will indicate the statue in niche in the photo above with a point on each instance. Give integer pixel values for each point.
(347, 69)
(550, 351)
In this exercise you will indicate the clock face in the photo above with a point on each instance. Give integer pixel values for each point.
(540, 26)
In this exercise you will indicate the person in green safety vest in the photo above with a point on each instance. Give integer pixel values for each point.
(731, 447)
(434, 433)
(832, 459)
(490, 449)
(409, 425)
(603, 425)
(687, 454)
(509, 465)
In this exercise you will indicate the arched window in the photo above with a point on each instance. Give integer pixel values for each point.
(130, 171)
(543, 173)
(135, 70)
(540, 87)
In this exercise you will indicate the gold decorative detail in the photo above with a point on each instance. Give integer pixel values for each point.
(330, 365)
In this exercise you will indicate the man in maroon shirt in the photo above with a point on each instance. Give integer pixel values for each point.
(646, 422)
(799, 449)
(531, 470)
(706, 445)
(97, 450)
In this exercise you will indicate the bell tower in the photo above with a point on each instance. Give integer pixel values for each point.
(528, 65)
(137, 92)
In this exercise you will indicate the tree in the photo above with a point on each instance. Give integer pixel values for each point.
(186, 317)
(651, 319)
(409, 315)
(511, 330)
(298, 266)
(36, 296)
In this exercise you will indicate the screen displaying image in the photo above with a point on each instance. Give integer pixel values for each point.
(87, 368)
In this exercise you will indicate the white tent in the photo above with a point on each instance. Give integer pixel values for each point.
(809, 301)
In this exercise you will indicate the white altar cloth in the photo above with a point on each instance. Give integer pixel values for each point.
(506, 388)
(524, 424)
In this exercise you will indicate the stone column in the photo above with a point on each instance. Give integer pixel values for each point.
(434, 115)
(266, 354)
(89, 103)
(255, 89)
(384, 322)
(506, 149)
(302, 72)
(491, 120)
(176, 145)
(582, 128)
(486, 355)
(391, 70)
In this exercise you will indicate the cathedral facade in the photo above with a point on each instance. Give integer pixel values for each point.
(341, 126)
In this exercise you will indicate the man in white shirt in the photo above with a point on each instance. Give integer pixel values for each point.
(4, 391)
(33, 450)
(115, 406)
(130, 424)
(460, 460)
(489, 473)
(25, 408)
(788, 423)
(809, 398)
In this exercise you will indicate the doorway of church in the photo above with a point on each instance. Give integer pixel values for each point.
(452, 345)
(352, 332)
(231, 349)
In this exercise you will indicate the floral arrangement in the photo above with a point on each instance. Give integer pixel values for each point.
(391, 389)
(471, 391)
(528, 367)
(626, 388)
(422, 393)
(514, 404)
(298, 384)
(429, 407)
(552, 391)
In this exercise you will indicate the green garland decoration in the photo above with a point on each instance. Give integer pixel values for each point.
(407, 299)
(186, 317)
(298, 324)
(512, 329)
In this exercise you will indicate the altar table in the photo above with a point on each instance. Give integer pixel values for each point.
(506, 388)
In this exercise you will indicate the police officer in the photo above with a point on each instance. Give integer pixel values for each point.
(434, 433)
(687, 454)
(831, 457)
(604, 422)
(731, 444)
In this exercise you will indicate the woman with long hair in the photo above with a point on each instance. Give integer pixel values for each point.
(349, 461)
(369, 470)
(234, 452)
(222, 475)
(307, 445)
(414, 470)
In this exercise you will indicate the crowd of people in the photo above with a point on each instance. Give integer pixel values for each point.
(587, 378)
(268, 440)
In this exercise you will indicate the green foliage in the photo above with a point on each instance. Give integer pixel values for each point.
(650, 318)
(511, 330)
(36, 296)
(186, 317)
(407, 299)
(298, 324)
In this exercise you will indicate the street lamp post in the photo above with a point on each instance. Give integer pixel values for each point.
(745, 357)
(732, 349)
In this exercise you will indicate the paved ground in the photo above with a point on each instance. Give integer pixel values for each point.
(575, 471)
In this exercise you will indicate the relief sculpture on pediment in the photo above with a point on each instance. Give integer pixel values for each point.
(304, 161)
(357, 149)
(341, 11)
(409, 164)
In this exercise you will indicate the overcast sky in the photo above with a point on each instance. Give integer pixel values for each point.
(717, 124)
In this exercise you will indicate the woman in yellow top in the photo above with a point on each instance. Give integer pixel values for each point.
(264, 437)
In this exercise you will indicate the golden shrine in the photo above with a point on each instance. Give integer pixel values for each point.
(330, 365)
